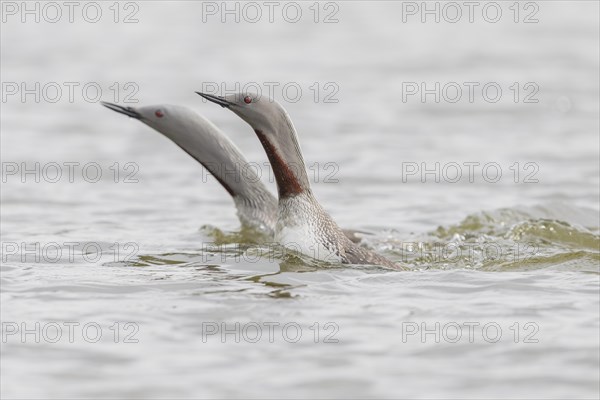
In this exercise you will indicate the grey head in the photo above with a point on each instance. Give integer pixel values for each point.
(208, 145)
(277, 134)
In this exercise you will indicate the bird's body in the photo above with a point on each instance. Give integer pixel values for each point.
(302, 224)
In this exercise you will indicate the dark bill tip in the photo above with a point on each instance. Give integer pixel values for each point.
(216, 99)
(129, 111)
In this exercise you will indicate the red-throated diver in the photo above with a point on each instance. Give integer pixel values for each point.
(207, 144)
(302, 224)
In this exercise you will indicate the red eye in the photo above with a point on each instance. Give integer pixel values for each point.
(159, 113)
(247, 99)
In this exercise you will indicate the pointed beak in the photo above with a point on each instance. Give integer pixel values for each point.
(129, 111)
(217, 99)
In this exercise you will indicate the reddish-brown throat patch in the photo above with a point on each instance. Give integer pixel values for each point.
(287, 182)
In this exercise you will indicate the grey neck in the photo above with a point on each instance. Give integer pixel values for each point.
(283, 151)
(217, 153)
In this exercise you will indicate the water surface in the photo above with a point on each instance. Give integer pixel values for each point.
(499, 295)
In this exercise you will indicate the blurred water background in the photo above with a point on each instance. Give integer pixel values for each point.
(160, 255)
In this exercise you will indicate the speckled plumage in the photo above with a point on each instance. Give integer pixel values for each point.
(303, 225)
